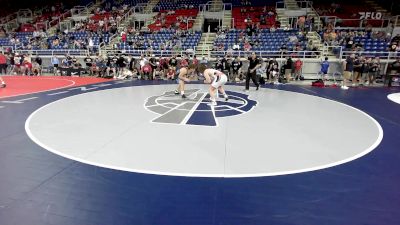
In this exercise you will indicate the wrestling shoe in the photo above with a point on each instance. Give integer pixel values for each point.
(176, 92)
(226, 98)
(3, 85)
(183, 96)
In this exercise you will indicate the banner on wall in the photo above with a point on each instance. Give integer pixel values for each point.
(370, 15)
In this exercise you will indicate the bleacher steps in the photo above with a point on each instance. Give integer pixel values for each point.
(198, 23)
(227, 20)
(291, 4)
(150, 6)
(205, 44)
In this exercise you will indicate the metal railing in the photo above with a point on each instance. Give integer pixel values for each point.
(8, 18)
(280, 5)
(157, 53)
(130, 12)
(58, 20)
(215, 7)
(50, 52)
(269, 54)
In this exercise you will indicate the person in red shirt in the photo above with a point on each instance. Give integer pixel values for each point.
(147, 71)
(26, 68)
(195, 61)
(297, 69)
(3, 63)
(184, 62)
(123, 36)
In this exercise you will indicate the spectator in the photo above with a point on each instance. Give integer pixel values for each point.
(236, 67)
(297, 69)
(288, 69)
(254, 64)
(3, 64)
(374, 69)
(348, 67)
(55, 62)
(325, 68)
(357, 71)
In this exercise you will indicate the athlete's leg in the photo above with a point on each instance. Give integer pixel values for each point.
(212, 95)
(221, 89)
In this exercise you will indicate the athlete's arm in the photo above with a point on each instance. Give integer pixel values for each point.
(182, 74)
(207, 79)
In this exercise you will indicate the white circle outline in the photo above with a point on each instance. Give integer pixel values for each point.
(359, 155)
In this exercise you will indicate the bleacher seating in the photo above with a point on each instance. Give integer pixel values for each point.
(240, 14)
(160, 38)
(268, 41)
(170, 20)
(180, 4)
(22, 37)
(83, 36)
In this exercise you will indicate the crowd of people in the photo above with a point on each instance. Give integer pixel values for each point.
(361, 70)
(18, 64)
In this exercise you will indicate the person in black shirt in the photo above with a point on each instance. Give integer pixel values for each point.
(173, 63)
(89, 64)
(227, 65)
(374, 66)
(357, 70)
(39, 61)
(219, 65)
(288, 69)
(121, 64)
(236, 65)
(153, 64)
(254, 64)
(112, 66)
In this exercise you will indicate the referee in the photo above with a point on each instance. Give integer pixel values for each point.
(254, 64)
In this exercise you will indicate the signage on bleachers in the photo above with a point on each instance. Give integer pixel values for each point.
(370, 15)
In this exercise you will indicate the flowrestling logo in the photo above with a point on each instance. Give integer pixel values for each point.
(196, 108)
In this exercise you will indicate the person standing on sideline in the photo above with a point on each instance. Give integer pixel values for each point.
(297, 69)
(348, 67)
(55, 62)
(374, 70)
(254, 64)
(3, 64)
(236, 66)
(324, 69)
(288, 69)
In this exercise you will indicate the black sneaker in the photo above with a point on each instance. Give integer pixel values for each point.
(258, 86)
(183, 96)
(226, 98)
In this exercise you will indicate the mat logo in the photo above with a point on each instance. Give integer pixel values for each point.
(196, 108)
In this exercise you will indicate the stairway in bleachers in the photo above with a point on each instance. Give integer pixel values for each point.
(205, 45)
(150, 6)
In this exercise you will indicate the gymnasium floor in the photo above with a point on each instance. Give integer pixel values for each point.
(107, 152)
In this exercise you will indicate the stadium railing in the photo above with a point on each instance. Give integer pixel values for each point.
(269, 54)
(51, 52)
